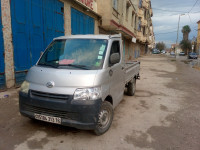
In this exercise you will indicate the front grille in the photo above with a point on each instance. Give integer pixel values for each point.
(50, 112)
(49, 95)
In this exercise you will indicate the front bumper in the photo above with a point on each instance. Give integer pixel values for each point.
(77, 114)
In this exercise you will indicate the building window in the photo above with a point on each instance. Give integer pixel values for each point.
(140, 4)
(115, 48)
(139, 24)
(133, 18)
(144, 31)
(115, 4)
(135, 22)
(127, 10)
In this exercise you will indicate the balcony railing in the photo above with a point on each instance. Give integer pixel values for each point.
(115, 13)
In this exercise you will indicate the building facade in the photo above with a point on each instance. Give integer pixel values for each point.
(198, 38)
(28, 26)
(131, 18)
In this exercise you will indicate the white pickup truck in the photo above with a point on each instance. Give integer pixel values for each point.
(78, 81)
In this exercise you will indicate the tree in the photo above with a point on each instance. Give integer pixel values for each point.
(186, 45)
(186, 30)
(160, 46)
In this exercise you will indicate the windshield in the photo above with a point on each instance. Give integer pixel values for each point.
(75, 53)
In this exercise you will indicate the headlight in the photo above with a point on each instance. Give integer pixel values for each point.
(87, 94)
(25, 87)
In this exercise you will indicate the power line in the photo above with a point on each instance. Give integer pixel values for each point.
(193, 6)
(167, 10)
(171, 29)
(165, 32)
(176, 14)
(190, 18)
(195, 12)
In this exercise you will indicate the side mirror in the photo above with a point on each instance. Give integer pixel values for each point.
(41, 53)
(114, 58)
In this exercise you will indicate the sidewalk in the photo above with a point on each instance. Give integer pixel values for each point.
(9, 93)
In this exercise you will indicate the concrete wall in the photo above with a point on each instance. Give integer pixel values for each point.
(104, 8)
(127, 19)
(8, 47)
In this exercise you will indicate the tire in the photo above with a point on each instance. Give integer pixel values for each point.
(131, 88)
(105, 118)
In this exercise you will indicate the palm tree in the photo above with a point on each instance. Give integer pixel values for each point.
(186, 30)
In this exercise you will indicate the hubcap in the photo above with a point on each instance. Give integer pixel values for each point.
(104, 118)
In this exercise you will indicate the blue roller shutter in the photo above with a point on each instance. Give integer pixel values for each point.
(34, 24)
(81, 23)
(2, 75)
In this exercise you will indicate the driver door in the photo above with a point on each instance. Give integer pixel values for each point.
(116, 75)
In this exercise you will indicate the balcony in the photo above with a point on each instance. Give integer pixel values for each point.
(144, 39)
(139, 35)
(151, 12)
(145, 4)
(149, 40)
(143, 22)
(141, 13)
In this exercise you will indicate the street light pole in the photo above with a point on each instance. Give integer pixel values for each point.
(178, 32)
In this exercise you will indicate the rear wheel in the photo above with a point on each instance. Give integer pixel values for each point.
(131, 87)
(105, 118)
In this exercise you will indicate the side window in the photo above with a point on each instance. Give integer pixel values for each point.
(115, 47)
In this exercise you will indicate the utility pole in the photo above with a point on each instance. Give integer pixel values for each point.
(176, 47)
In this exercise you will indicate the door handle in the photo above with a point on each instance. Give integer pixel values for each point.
(110, 72)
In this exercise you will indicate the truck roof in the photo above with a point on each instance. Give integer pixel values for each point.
(89, 36)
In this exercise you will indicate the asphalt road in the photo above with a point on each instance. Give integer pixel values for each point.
(163, 115)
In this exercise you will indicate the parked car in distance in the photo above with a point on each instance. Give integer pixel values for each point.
(155, 51)
(163, 52)
(182, 54)
(172, 54)
(192, 56)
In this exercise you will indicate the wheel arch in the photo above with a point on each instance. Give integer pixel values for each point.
(109, 99)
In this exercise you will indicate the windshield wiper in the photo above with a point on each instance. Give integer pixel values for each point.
(51, 65)
(76, 66)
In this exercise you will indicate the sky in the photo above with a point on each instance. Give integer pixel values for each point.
(166, 16)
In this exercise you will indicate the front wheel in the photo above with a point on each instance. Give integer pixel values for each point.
(105, 118)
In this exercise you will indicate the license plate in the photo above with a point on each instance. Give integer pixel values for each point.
(50, 119)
